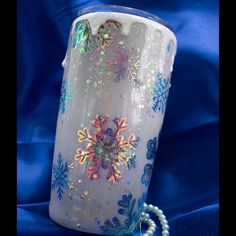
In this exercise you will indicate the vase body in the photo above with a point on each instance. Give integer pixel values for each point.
(116, 81)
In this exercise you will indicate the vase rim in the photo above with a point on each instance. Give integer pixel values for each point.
(125, 10)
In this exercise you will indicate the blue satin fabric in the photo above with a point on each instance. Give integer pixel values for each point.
(185, 177)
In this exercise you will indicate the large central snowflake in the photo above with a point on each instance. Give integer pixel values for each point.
(107, 148)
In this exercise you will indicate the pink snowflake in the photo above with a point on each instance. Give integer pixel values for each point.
(107, 148)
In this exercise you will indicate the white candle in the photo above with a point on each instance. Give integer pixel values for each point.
(116, 81)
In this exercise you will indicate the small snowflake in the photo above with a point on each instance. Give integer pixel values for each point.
(151, 146)
(65, 95)
(134, 64)
(131, 161)
(125, 65)
(60, 176)
(160, 93)
(146, 177)
(107, 148)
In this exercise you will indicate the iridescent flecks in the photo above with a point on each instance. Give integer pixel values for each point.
(106, 149)
(123, 62)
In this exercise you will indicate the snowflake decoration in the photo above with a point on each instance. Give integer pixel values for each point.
(106, 149)
(83, 37)
(104, 36)
(151, 146)
(125, 64)
(134, 63)
(131, 163)
(66, 95)
(121, 64)
(160, 94)
(60, 176)
(127, 209)
(146, 177)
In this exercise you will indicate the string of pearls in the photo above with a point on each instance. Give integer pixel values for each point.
(145, 218)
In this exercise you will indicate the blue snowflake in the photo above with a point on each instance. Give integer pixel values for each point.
(65, 95)
(160, 94)
(151, 146)
(132, 161)
(60, 176)
(146, 177)
(129, 225)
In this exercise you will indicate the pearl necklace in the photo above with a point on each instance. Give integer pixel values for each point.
(145, 218)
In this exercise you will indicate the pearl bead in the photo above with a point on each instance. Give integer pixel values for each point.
(150, 207)
(155, 209)
(145, 218)
(165, 232)
(165, 227)
(152, 228)
(160, 212)
(164, 222)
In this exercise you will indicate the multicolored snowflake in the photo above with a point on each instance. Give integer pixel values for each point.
(83, 37)
(160, 93)
(146, 177)
(60, 176)
(107, 148)
(127, 209)
(120, 64)
(104, 36)
(125, 64)
(66, 95)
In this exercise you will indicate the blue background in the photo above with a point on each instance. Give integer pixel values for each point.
(185, 178)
